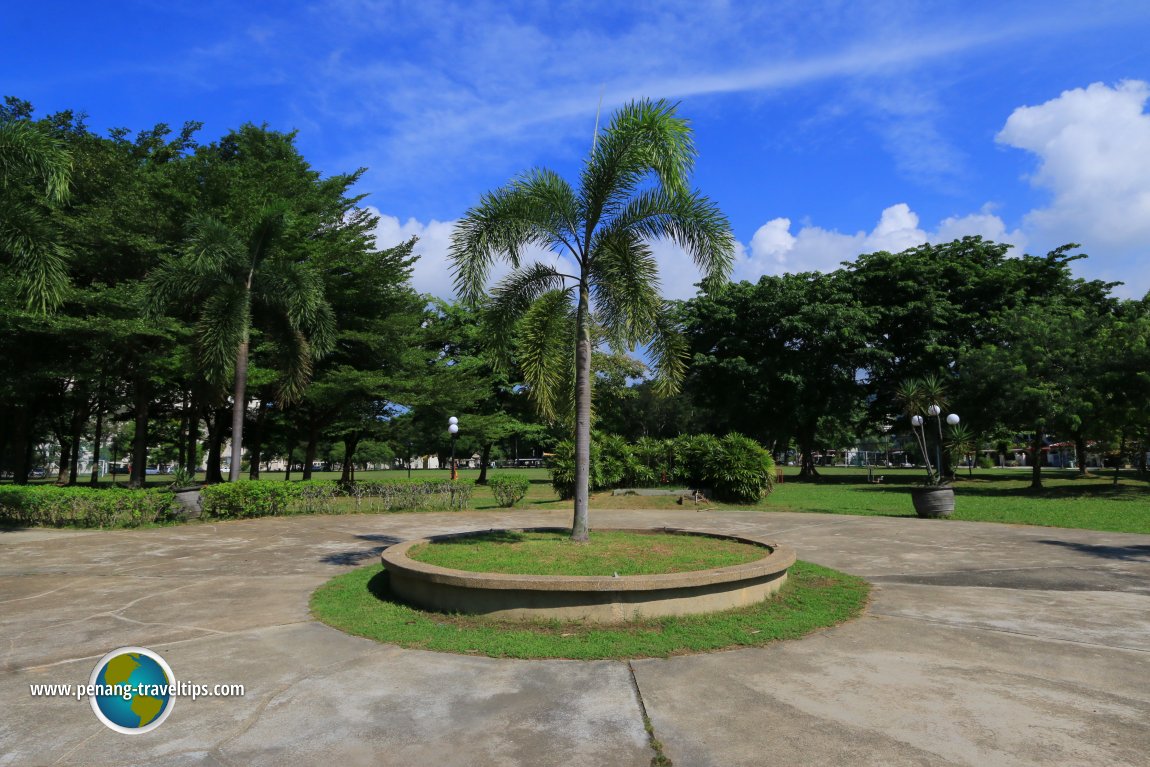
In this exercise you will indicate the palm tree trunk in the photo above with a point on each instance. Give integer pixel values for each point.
(580, 531)
(239, 405)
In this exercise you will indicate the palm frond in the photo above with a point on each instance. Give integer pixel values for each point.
(643, 138)
(222, 326)
(267, 231)
(173, 280)
(625, 286)
(297, 291)
(668, 352)
(691, 221)
(513, 297)
(215, 251)
(29, 154)
(544, 351)
(39, 262)
(507, 220)
(295, 373)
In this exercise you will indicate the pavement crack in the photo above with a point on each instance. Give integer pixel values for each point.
(660, 759)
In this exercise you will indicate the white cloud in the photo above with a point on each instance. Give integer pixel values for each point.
(1093, 147)
(432, 272)
(774, 249)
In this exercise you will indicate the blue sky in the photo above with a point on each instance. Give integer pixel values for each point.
(825, 129)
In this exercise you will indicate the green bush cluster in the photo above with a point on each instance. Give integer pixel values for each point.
(735, 468)
(240, 500)
(508, 489)
(393, 495)
(51, 506)
(265, 498)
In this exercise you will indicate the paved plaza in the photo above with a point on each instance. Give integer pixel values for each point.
(983, 645)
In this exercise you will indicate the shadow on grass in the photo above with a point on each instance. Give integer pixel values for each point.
(491, 536)
(1124, 553)
(1069, 492)
(359, 556)
(379, 586)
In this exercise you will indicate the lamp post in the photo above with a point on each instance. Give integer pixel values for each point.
(453, 429)
(409, 454)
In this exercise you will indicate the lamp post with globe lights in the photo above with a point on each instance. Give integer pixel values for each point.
(453, 429)
(925, 399)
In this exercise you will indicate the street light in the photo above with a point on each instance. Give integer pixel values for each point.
(453, 429)
(409, 454)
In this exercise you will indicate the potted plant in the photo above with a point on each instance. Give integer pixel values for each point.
(922, 400)
(187, 492)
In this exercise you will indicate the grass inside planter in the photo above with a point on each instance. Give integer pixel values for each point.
(813, 598)
(609, 552)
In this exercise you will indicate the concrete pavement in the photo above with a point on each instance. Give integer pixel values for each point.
(984, 645)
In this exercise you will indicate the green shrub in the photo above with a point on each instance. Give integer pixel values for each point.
(264, 498)
(740, 470)
(735, 468)
(985, 462)
(241, 500)
(395, 495)
(51, 506)
(508, 489)
(693, 454)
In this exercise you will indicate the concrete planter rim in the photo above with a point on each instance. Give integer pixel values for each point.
(777, 559)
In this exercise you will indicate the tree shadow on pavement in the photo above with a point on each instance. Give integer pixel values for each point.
(358, 556)
(1124, 553)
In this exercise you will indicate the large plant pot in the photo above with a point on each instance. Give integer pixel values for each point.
(933, 502)
(188, 501)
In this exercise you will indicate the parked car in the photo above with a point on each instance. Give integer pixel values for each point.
(38, 473)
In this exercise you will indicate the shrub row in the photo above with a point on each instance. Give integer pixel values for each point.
(264, 498)
(51, 506)
(735, 468)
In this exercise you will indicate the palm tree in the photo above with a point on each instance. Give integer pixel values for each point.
(35, 172)
(632, 189)
(238, 277)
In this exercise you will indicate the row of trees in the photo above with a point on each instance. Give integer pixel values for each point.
(176, 294)
(1019, 344)
(181, 294)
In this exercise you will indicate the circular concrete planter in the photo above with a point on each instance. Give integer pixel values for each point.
(603, 599)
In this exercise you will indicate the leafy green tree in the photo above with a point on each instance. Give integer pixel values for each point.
(238, 275)
(780, 359)
(633, 188)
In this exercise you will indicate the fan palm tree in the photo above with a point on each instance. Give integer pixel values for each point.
(35, 171)
(237, 277)
(632, 189)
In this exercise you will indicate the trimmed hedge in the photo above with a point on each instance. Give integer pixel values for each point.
(264, 498)
(509, 489)
(735, 468)
(51, 506)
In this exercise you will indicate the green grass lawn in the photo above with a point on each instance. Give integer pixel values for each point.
(996, 495)
(610, 552)
(993, 495)
(813, 598)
